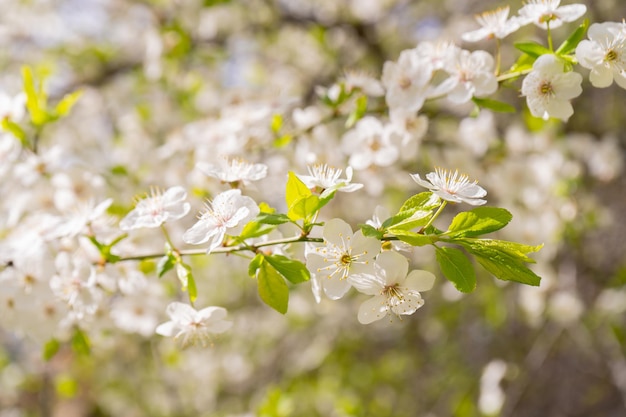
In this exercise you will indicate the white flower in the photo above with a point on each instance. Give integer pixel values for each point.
(548, 89)
(604, 54)
(436, 53)
(156, 209)
(494, 24)
(370, 143)
(544, 12)
(392, 290)
(191, 326)
(342, 255)
(12, 108)
(327, 179)
(229, 212)
(407, 81)
(366, 83)
(452, 187)
(471, 74)
(234, 170)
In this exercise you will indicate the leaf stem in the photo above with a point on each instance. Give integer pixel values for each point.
(437, 213)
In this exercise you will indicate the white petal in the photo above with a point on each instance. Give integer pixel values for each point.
(367, 283)
(168, 329)
(173, 195)
(571, 12)
(409, 304)
(392, 266)
(200, 232)
(335, 288)
(336, 231)
(373, 309)
(601, 76)
(419, 280)
(180, 312)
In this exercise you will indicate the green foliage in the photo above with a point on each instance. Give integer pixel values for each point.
(294, 271)
(478, 221)
(359, 111)
(456, 268)
(494, 105)
(81, 344)
(50, 349)
(505, 260)
(415, 212)
(187, 280)
(569, 45)
(272, 287)
(532, 49)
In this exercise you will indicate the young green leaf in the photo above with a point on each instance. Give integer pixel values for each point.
(80, 342)
(507, 268)
(495, 105)
(414, 239)
(478, 221)
(16, 130)
(50, 349)
(414, 212)
(294, 271)
(570, 44)
(35, 98)
(358, 112)
(532, 48)
(271, 218)
(255, 264)
(166, 263)
(255, 229)
(304, 207)
(371, 231)
(67, 102)
(187, 280)
(295, 190)
(457, 268)
(272, 288)
(505, 260)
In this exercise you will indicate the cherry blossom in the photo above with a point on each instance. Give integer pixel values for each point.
(228, 212)
(343, 254)
(548, 89)
(544, 12)
(604, 54)
(191, 326)
(392, 290)
(327, 180)
(452, 187)
(494, 24)
(156, 209)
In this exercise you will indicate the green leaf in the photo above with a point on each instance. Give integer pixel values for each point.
(304, 207)
(166, 263)
(187, 281)
(35, 98)
(457, 268)
(16, 130)
(414, 239)
(488, 246)
(270, 218)
(282, 141)
(524, 63)
(371, 231)
(255, 229)
(272, 288)
(50, 349)
(67, 102)
(295, 191)
(506, 268)
(277, 123)
(494, 105)
(80, 342)
(294, 271)
(358, 112)
(570, 44)
(422, 201)
(478, 221)
(255, 264)
(532, 48)
(505, 260)
(414, 212)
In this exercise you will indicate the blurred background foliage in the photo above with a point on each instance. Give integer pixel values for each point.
(156, 65)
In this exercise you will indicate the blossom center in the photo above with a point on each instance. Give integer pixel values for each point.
(546, 88)
(404, 83)
(611, 55)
